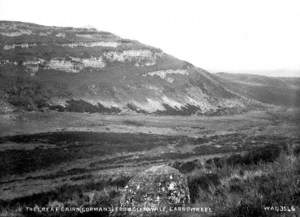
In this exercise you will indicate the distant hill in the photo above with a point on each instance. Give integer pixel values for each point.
(85, 70)
(272, 90)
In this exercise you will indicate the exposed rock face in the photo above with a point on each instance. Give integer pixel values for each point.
(93, 44)
(143, 57)
(157, 187)
(21, 45)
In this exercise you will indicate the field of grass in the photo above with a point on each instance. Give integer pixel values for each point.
(236, 165)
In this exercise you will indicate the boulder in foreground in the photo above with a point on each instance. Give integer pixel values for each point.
(157, 187)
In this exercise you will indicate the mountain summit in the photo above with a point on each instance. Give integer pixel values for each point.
(85, 70)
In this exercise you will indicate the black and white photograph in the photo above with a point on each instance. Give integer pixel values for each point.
(150, 108)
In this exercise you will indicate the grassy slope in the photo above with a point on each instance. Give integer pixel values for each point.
(278, 91)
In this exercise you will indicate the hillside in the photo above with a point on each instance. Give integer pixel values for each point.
(85, 70)
(271, 90)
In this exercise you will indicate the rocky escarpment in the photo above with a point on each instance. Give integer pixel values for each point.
(85, 70)
(159, 187)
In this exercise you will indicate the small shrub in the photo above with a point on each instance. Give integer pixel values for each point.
(186, 167)
(204, 182)
(296, 150)
(264, 154)
(236, 188)
(215, 162)
(267, 153)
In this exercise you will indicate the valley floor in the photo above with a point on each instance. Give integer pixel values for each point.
(60, 158)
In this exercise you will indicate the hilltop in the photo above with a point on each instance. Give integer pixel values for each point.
(86, 70)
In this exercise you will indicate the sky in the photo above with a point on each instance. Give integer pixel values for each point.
(240, 36)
